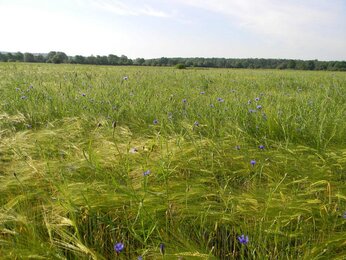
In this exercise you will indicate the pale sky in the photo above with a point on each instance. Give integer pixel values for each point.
(297, 29)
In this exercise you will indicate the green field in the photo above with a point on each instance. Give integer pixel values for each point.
(260, 153)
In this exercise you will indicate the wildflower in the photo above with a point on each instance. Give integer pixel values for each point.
(133, 150)
(259, 107)
(125, 78)
(220, 99)
(23, 97)
(261, 147)
(252, 111)
(118, 247)
(31, 86)
(140, 258)
(17, 89)
(249, 102)
(237, 147)
(243, 239)
(196, 123)
(155, 122)
(184, 100)
(253, 162)
(202, 93)
(83, 94)
(257, 99)
(146, 173)
(162, 248)
(344, 216)
(211, 105)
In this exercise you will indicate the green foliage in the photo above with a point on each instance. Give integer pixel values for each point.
(180, 66)
(76, 140)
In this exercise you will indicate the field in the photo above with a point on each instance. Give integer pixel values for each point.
(91, 156)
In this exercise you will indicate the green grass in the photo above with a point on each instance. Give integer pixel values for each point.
(71, 185)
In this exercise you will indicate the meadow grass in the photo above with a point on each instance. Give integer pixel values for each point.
(230, 152)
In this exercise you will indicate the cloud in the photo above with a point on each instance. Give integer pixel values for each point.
(127, 8)
(313, 25)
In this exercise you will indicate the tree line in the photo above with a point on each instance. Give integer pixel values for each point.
(111, 59)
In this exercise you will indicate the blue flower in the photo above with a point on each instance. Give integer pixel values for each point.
(83, 94)
(249, 102)
(243, 239)
(162, 248)
(202, 93)
(253, 162)
(261, 147)
(125, 78)
(23, 97)
(184, 100)
(259, 107)
(220, 99)
(257, 99)
(146, 173)
(155, 122)
(140, 258)
(252, 111)
(118, 247)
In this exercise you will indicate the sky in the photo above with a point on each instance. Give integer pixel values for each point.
(293, 29)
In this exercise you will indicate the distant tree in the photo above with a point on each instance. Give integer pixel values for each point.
(18, 56)
(29, 57)
(180, 66)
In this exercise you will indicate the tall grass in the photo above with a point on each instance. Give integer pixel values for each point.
(76, 140)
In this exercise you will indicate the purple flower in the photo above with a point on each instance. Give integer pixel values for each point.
(118, 247)
(83, 94)
(202, 93)
(243, 239)
(184, 100)
(196, 123)
(162, 248)
(252, 111)
(146, 173)
(23, 97)
(253, 162)
(249, 102)
(259, 107)
(155, 122)
(125, 78)
(140, 258)
(220, 99)
(257, 99)
(261, 147)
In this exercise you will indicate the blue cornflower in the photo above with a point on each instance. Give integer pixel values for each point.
(252, 111)
(146, 173)
(140, 258)
(257, 99)
(243, 239)
(220, 99)
(202, 92)
(184, 100)
(125, 78)
(23, 97)
(259, 107)
(155, 122)
(83, 94)
(118, 247)
(261, 147)
(253, 162)
(162, 248)
(249, 102)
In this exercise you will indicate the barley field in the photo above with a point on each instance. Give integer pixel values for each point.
(104, 162)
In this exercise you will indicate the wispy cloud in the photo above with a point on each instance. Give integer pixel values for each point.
(317, 24)
(128, 8)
